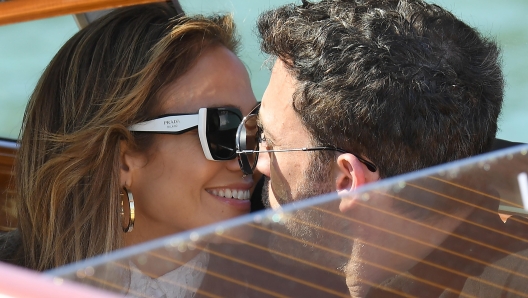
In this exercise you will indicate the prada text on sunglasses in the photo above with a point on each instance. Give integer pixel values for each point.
(248, 138)
(217, 129)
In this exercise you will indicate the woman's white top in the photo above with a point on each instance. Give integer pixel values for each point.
(181, 282)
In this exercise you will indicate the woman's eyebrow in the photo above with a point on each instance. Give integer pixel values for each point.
(227, 106)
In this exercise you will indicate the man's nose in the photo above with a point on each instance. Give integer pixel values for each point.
(263, 164)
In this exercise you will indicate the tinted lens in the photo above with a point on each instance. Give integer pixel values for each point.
(222, 125)
(248, 139)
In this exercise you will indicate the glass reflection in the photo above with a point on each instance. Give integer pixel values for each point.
(425, 234)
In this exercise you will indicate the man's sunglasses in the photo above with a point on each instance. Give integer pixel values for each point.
(217, 129)
(249, 136)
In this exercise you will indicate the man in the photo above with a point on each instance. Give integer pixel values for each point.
(365, 90)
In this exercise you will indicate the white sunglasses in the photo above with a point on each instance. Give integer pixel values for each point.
(217, 128)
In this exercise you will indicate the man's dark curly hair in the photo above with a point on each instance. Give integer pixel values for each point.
(404, 83)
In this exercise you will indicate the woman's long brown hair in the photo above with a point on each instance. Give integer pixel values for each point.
(103, 79)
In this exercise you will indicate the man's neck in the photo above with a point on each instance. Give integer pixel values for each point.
(370, 265)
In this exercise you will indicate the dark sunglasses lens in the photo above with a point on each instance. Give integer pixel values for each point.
(222, 125)
(249, 140)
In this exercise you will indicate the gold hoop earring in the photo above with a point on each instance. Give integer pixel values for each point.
(132, 212)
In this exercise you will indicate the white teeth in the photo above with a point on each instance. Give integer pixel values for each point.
(232, 193)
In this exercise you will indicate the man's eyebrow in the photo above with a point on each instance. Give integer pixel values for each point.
(269, 136)
(259, 122)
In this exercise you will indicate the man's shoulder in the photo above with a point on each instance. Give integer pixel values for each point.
(507, 277)
(501, 144)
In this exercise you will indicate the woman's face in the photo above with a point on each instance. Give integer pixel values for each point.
(175, 187)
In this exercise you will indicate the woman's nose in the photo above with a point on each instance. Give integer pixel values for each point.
(233, 165)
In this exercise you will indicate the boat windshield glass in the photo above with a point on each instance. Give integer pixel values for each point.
(459, 227)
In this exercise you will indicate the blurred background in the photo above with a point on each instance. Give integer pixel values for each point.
(26, 48)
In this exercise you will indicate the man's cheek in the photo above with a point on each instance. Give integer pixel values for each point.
(274, 204)
(279, 188)
(276, 194)
(268, 198)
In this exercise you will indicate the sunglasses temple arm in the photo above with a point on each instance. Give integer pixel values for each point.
(170, 124)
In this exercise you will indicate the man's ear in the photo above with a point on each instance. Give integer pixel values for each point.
(351, 174)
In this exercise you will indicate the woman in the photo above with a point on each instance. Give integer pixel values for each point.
(106, 157)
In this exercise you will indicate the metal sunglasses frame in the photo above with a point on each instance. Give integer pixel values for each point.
(246, 166)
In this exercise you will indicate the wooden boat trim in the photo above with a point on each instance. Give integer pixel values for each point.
(27, 10)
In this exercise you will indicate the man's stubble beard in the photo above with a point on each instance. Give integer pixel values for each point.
(307, 224)
(317, 181)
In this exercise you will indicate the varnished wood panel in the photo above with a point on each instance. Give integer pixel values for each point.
(15, 11)
(7, 208)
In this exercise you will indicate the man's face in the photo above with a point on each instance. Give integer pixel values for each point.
(288, 172)
(369, 227)
(293, 176)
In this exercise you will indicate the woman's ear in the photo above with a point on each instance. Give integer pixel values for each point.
(125, 165)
